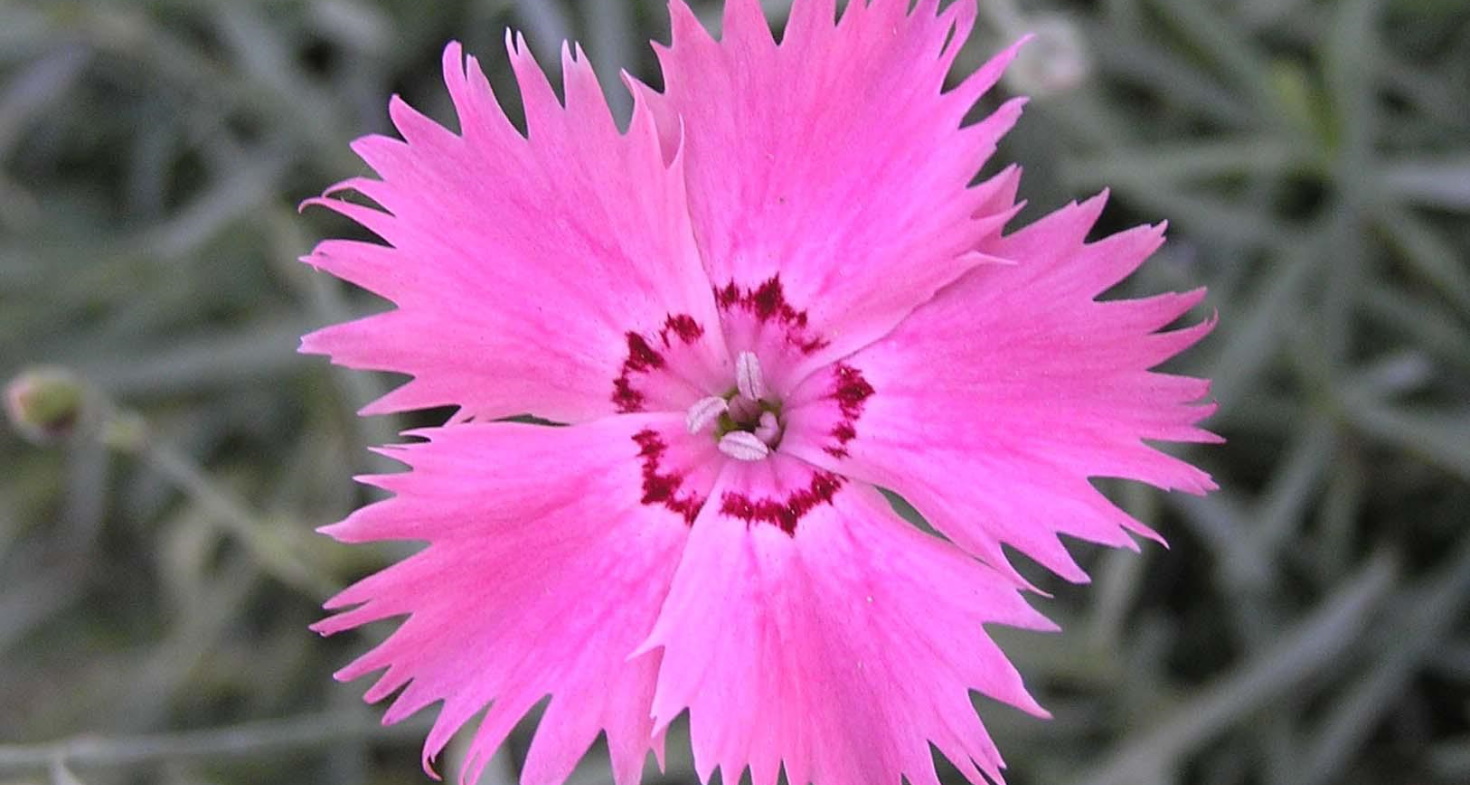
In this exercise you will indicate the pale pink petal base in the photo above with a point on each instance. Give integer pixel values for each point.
(545, 568)
(840, 652)
(994, 403)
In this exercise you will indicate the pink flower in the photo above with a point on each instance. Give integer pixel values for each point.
(776, 292)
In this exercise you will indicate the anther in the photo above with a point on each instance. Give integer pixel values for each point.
(704, 412)
(743, 446)
(748, 378)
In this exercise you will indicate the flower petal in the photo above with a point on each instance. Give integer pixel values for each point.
(522, 267)
(550, 552)
(841, 649)
(990, 407)
(833, 166)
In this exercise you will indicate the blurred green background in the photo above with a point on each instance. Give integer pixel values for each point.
(1308, 624)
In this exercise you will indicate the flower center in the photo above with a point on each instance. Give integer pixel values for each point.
(746, 422)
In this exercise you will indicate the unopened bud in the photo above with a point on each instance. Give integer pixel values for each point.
(1055, 60)
(45, 404)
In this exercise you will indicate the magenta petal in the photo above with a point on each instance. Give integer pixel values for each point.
(990, 407)
(520, 266)
(834, 162)
(840, 650)
(550, 551)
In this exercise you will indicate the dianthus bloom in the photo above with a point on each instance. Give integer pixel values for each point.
(775, 293)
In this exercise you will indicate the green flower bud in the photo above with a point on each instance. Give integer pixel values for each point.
(45, 404)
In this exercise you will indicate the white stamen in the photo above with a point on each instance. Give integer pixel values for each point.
(748, 379)
(704, 412)
(743, 446)
(768, 429)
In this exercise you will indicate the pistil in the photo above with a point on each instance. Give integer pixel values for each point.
(768, 429)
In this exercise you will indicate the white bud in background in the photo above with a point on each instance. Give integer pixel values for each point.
(1056, 60)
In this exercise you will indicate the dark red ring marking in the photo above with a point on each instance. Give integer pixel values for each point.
(767, 302)
(851, 391)
(663, 488)
(643, 357)
(784, 513)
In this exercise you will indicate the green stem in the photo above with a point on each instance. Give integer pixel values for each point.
(241, 740)
(126, 432)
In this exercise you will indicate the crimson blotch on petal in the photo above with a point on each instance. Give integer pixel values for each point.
(775, 293)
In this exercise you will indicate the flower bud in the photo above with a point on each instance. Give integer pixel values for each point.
(45, 404)
(1056, 60)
